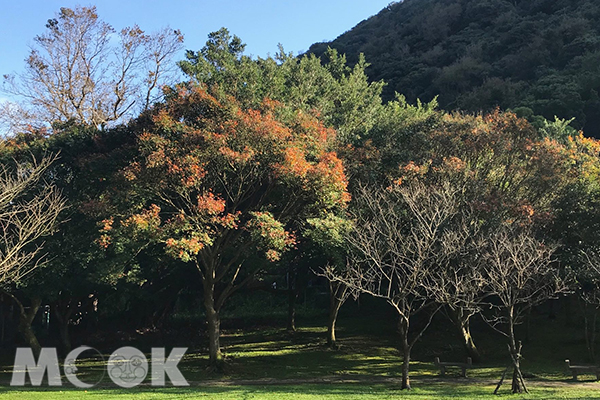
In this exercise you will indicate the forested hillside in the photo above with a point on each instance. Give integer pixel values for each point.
(542, 55)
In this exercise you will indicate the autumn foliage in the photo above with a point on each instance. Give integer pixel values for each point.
(509, 171)
(211, 167)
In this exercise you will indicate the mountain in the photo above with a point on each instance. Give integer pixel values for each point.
(537, 57)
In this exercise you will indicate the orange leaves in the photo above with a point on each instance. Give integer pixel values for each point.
(210, 204)
(262, 126)
(229, 221)
(508, 169)
(294, 163)
(164, 120)
(188, 170)
(526, 210)
(411, 170)
(215, 166)
(331, 170)
(105, 240)
(186, 106)
(236, 157)
(454, 164)
(325, 175)
(107, 224)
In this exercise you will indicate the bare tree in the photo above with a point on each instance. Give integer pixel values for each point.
(588, 290)
(519, 273)
(29, 210)
(76, 72)
(456, 281)
(398, 239)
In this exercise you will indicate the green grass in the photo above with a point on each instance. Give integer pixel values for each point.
(270, 363)
(305, 391)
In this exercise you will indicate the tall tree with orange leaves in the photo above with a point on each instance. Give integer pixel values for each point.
(228, 189)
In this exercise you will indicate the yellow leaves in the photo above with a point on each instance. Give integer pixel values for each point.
(132, 171)
(187, 247)
(147, 220)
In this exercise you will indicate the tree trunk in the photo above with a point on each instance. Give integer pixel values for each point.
(462, 322)
(403, 325)
(514, 355)
(62, 311)
(516, 380)
(336, 299)
(590, 330)
(292, 296)
(518, 383)
(26, 317)
(215, 356)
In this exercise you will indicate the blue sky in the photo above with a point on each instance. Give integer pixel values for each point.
(260, 24)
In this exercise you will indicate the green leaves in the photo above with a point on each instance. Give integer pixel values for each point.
(342, 96)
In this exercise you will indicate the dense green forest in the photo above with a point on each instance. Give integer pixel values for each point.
(537, 57)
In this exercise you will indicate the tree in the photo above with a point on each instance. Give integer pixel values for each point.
(342, 96)
(76, 73)
(227, 189)
(576, 225)
(29, 210)
(456, 281)
(505, 169)
(400, 235)
(329, 234)
(79, 273)
(588, 291)
(27, 213)
(519, 273)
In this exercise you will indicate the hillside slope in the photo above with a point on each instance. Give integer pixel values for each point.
(478, 54)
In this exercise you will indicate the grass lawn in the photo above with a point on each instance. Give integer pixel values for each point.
(270, 363)
(306, 391)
